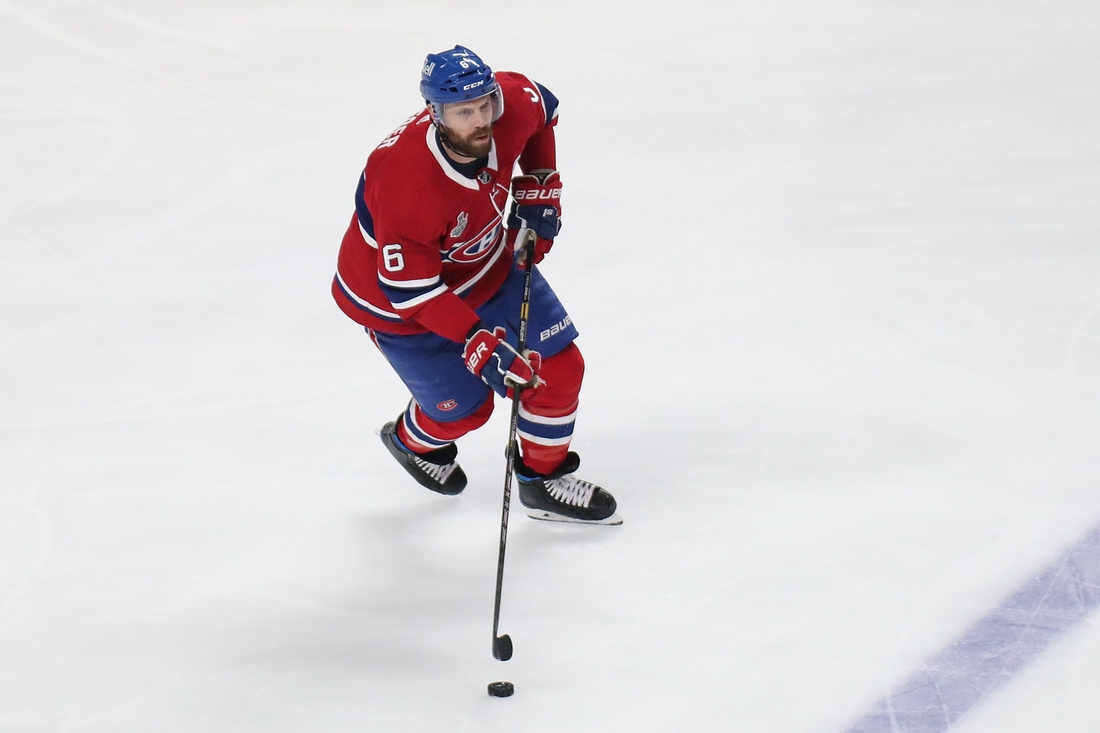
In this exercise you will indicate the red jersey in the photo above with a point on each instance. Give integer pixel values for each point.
(426, 245)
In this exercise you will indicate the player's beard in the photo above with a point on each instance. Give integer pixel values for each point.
(469, 145)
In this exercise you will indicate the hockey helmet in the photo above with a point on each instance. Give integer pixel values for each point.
(457, 75)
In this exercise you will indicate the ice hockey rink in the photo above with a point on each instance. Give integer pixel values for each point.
(836, 268)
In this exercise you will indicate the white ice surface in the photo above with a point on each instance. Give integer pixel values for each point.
(837, 272)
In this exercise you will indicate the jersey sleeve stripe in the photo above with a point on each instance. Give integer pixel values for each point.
(427, 282)
(404, 302)
(362, 213)
(363, 304)
(370, 240)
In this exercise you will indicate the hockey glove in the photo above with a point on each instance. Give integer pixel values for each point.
(537, 206)
(493, 359)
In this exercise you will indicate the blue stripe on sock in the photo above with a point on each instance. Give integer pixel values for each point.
(420, 434)
(542, 430)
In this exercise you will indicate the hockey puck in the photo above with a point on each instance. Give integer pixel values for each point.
(501, 689)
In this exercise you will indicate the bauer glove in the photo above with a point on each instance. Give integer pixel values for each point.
(536, 207)
(500, 366)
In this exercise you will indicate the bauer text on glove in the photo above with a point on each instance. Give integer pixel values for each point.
(536, 207)
(499, 365)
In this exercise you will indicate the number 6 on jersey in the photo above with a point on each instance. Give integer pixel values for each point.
(392, 259)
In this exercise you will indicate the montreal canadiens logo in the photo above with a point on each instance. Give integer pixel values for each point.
(446, 405)
(476, 249)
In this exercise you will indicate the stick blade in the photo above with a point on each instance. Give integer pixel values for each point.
(502, 647)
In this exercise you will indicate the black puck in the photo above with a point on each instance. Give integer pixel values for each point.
(501, 689)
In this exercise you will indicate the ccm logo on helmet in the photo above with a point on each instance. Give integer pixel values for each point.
(536, 195)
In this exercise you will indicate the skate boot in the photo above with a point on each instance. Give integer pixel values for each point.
(562, 497)
(436, 470)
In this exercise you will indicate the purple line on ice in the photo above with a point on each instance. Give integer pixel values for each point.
(994, 649)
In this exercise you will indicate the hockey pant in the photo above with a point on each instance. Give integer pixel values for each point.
(546, 416)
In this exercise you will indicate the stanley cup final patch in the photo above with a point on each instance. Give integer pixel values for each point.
(463, 220)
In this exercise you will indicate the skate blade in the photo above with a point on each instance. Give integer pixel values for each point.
(544, 516)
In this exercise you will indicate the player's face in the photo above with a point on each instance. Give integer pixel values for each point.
(468, 126)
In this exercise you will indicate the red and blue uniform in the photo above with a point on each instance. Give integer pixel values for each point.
(426, 247)
(425, 259)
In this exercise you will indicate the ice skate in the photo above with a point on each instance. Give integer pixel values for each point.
(436, 470)
(562, 497)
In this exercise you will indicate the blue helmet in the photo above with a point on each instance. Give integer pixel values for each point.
(457, 75)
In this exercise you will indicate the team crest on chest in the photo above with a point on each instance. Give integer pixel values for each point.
(485, 176)
(477, 248)
(463, 220)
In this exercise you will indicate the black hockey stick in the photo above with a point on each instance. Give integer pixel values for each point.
(502, 643)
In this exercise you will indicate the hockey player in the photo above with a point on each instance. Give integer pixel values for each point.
(427, 266)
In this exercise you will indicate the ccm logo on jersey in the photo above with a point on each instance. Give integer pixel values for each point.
(556, 328)
(537, 195)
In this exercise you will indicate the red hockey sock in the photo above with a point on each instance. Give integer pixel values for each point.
(547, 414)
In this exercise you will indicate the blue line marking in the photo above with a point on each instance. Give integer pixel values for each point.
(995, 649)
